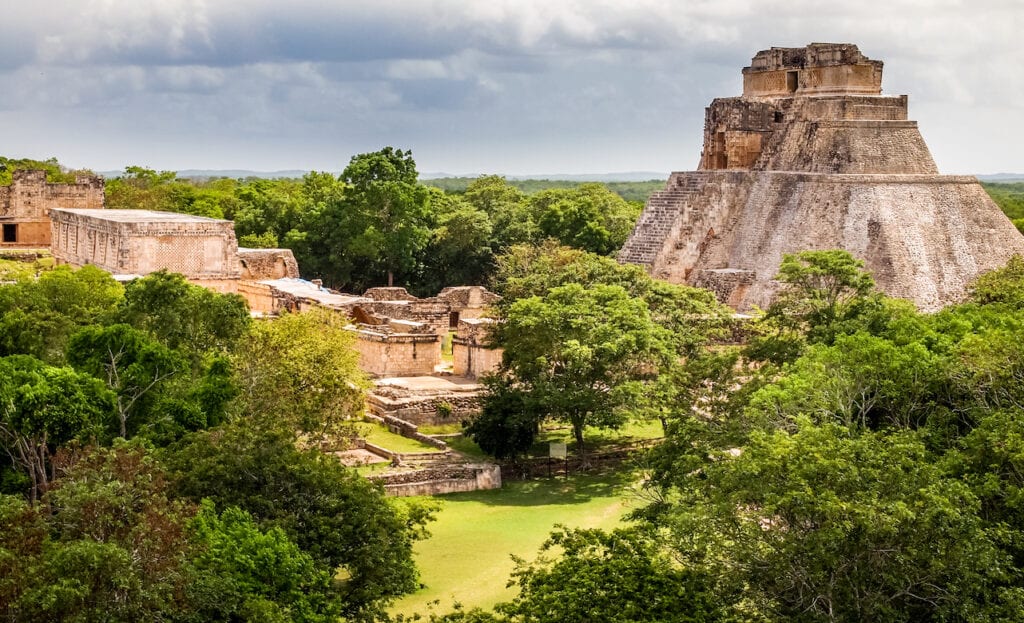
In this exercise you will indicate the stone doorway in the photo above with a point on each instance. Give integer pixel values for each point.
(792, 81)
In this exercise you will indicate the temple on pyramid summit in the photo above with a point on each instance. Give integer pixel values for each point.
(813, 156)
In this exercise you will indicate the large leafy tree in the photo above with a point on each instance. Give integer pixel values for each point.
(43, 407)
(582, 354)
(184, 316)
(134, 366)
(459, 251)
(335, 516)
(242, 572)
(830, 524)
(610, 577)
(37, 316)
(110, 544)
(370, 226)
(590, 217)
(692, 315)
(301, 371)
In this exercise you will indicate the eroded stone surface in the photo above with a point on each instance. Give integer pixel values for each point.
(822, 161)
(26, 203)
(138, 242)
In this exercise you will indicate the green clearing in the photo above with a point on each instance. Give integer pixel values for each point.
(596, 438)
(380, 436)
(468, 556)
(440, 429)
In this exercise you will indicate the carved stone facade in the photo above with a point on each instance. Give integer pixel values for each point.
(138, 242)
(813, 156)
(26, 203)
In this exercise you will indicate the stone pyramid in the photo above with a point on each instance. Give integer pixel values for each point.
(813, 156)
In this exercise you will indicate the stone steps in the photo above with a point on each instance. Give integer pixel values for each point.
(663, 210)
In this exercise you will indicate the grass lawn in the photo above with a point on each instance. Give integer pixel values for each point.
(380, 436)
(440, 429)
(468, 556)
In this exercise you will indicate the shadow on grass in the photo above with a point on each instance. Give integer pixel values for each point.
(576, 489)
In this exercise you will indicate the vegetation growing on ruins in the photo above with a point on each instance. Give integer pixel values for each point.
(376, 223)
(854, 462)
(55, 173)
(853, 459)
(156, 462)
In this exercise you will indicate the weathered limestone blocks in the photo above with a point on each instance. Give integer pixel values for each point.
(812, 156)
(441, 480)
(258, 264)
(441, 312)
(817, 69)
(26, 203)
(471, 352)
(436, 400)
(138, 242)
(384, 353)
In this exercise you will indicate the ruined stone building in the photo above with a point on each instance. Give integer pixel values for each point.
(138, 242)
(813, 156)
(26, 203)
(397, 334)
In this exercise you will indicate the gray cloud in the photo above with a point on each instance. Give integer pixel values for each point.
(511, 85)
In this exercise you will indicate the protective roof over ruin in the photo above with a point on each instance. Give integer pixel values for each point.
(302, 289)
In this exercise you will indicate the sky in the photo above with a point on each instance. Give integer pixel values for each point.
(470, 86)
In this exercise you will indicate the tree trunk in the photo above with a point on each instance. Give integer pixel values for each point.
(391, 279)
(577, 432)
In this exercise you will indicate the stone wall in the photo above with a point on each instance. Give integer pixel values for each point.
(25, 205)
(470, 351)
(440, 312)
(817, 170)
(138, 242)
(397, 354)
(257, 264)
(438, 481)
(817, 69)
(423, 409)
(846, 134)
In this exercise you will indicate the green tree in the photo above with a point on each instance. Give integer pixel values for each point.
(859, 381)
(609, 577)
(825, 524)
(509, 419)
(133, 365)
(1004, 286)
(243, 573)
(590, 217)
(582, 354)
(43, 407)
(459, 252)
(38, 316)
(301, 371)
(339, 518)
(386, 197)
(692, 315)
(55, 172)
(111, 547)
(185, 316)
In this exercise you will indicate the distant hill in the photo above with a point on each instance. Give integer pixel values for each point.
(626, 176)
(1002, 177)
(630, 191)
